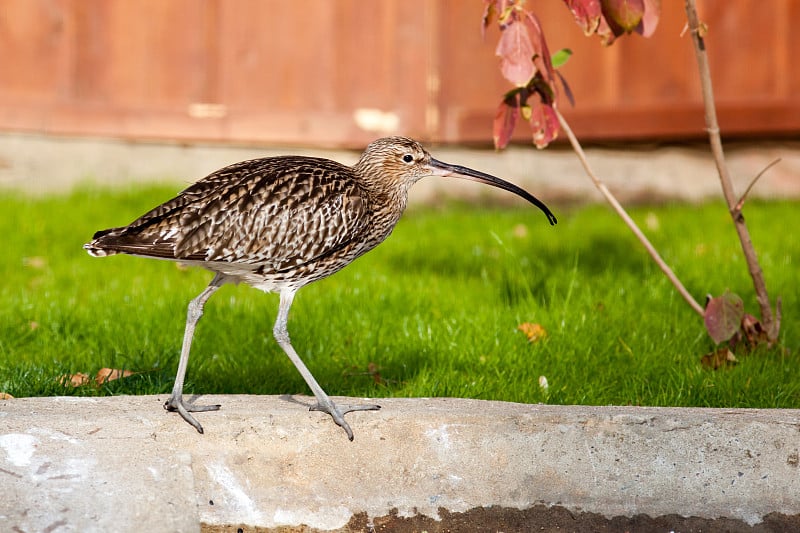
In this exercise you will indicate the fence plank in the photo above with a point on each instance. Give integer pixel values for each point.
(344, 72)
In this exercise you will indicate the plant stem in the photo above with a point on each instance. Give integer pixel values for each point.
(576, 146)
(740, 203)
(772, 327)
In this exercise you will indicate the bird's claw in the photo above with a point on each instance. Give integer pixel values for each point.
(176, 403)
(337, 412)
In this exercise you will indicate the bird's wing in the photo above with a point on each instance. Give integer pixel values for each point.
(275, 212)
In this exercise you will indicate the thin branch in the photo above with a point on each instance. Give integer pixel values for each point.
(741, 201)
(627, 219)
(715, 140)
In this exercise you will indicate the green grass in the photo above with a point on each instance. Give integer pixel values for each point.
(435, 309)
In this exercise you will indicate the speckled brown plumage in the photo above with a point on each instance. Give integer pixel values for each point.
(280, 223)
(281, 220)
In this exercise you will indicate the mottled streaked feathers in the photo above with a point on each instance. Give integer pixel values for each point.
(282, 222)
(284, 219)
(279, 223)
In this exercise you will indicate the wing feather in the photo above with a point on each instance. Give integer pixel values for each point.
(273, 213)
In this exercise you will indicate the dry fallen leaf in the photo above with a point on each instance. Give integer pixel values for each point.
(374, 371)
(534, 332)
(754, 332)
(5, 396)
(104, 375)
(720, 358)
(75, 380)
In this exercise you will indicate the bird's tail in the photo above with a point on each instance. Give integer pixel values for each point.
(96, 248)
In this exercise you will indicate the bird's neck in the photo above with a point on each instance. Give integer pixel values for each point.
(385, 190)
(390, 200)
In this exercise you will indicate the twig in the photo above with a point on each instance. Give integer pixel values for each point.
(626, 218)
(740, 203)
(722, 169)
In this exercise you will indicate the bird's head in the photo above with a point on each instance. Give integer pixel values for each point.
(399, 162)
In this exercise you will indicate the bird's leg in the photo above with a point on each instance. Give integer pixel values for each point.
(324, 403)
(193, 314)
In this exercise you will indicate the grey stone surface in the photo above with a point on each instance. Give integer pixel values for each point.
(66, 466)
(124, 464)
(39, 164)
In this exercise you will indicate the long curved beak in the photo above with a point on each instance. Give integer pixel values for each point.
(439, 168)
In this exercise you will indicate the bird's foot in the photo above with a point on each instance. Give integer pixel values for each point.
(337, 412)
(176, 403)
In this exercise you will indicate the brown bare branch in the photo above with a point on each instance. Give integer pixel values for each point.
(740, 203)
(576, 146)
(697, 31)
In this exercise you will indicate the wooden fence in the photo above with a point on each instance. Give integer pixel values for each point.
(341, 72)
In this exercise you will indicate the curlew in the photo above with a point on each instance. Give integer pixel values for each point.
(277, 224)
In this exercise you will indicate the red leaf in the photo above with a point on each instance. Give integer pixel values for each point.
(723, 316)
(516, 54)
(626, 14)
(652, 12)
(611, 18)
(544, 123)
(606, 33)
(587, 14)
(505, 120)
(542, 61)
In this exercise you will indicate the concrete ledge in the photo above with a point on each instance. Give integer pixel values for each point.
(124, 464)
(34, 163)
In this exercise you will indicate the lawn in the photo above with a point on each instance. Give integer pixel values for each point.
(434, 311)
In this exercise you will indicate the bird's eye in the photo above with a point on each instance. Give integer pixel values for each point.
(408, 158)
